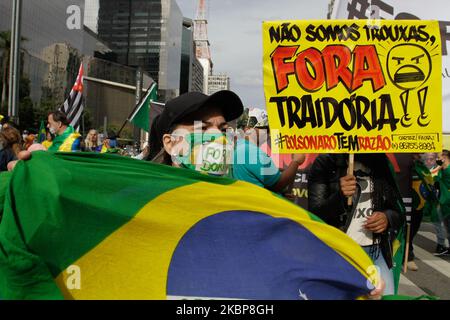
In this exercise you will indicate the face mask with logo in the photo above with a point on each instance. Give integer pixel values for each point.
(208, 153)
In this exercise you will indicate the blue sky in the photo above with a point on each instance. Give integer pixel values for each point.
(234, 29)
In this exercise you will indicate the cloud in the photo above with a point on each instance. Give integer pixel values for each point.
(251, 78)
(235, 34)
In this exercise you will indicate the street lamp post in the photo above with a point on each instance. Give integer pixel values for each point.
(14, 70)
(139, 83)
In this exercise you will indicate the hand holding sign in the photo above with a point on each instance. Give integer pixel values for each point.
(348, 185)
(299, 158)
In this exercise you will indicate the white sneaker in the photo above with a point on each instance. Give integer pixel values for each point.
(412, 266)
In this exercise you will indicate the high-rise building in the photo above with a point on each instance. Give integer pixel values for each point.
(91, 14)
(187, 54)
(191, 76)
(202, 49)
(330, 9)
(197, 76)
(146, 34)
(55, 43)
(47, 24)
(218, 82)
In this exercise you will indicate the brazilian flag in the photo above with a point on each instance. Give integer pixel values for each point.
(428, 191)
(443, 180)
(90, 226)
(42, 133)
(399, 242)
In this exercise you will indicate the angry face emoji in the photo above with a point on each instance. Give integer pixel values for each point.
(409, 66)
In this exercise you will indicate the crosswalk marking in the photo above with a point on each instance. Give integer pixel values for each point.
(407, 285)
(436, 263)
(429, 235)
(408, 288)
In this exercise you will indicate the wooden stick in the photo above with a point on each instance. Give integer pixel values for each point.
(405, 262)
(351, 166)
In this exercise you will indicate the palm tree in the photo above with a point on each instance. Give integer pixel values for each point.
(5, 47)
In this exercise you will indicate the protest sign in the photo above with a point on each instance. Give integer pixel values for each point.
(411, 10)
(351, 87)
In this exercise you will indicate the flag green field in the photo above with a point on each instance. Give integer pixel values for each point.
(90, 226)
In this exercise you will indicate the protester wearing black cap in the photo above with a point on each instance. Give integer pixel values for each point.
(174, 131)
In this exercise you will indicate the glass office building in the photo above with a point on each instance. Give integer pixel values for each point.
(55, 43)
(191, 75)
(146, 34)
(187, 50)
(52, 45)
(112, 38)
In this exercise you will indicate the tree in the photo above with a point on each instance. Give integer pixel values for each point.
(46, 105)
(5, 47)
(26, 111)
(86, 122)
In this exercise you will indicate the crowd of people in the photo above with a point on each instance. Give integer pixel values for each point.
(193, 132)
(59, 136)
(431, 184)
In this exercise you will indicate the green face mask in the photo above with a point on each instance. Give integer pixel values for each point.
(208, 153)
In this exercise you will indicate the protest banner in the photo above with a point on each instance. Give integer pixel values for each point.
(351, 87)
(411, 10)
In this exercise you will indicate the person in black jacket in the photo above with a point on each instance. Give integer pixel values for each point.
(375, 216)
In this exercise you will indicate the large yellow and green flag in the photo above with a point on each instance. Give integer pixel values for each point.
(89, 226)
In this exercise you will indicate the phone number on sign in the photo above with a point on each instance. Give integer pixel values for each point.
(420, 146)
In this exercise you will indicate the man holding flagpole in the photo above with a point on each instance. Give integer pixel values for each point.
(141, 114)
(145, 112)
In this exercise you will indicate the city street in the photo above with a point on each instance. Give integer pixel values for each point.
(433, 276)
(224, 150)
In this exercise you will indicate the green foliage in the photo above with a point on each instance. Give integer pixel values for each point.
(87, 122)
(112, 129)
(27, 118)
(5, 46)
(127, 133)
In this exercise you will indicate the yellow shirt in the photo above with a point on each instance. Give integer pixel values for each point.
(47, 144)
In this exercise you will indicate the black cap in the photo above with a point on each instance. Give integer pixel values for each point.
(179, 108)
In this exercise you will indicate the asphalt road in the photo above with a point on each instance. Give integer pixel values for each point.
(433, 276)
